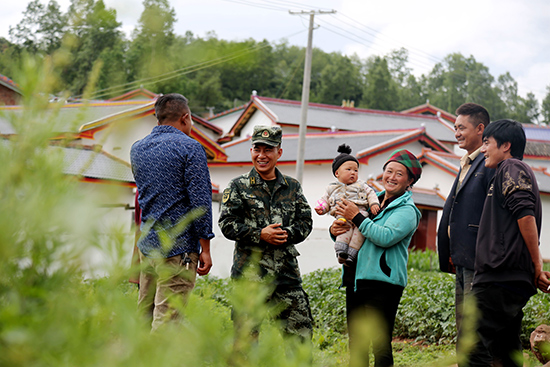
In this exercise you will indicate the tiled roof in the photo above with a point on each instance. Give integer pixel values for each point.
(537, 133)
(86, 162)
(537, 149)
(71, 116)
(140, 93)
(428, 109)
(7, 82)
(346, 118)
(227, 112)
(318, 146)
(429, 198)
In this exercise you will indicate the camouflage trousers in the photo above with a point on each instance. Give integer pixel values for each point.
(295, 316)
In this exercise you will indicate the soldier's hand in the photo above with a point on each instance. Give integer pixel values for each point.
(274, 234)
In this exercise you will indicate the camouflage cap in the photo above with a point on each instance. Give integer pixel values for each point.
(269, 135)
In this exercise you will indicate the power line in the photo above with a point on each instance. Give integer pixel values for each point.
(182, 71)
(293, 3)
(416, 55)
(269, 7)
(376, 33)
(372, 43)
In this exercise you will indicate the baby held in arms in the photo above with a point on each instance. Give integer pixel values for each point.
(345, 168)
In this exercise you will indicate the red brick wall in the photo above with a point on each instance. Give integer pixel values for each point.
(7, 96)
(425, 236)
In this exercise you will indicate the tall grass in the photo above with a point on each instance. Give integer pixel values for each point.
(51, 314)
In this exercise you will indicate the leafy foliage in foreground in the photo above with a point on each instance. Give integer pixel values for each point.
(52, 315)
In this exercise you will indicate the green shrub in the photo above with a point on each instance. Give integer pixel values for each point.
(426, 311)
(51, 314)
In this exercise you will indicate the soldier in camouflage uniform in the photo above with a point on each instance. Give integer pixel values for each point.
(266, 214)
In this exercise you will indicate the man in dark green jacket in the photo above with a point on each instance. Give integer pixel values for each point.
(266, 214)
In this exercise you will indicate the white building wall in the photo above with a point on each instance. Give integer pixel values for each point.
(211, 134)
(118, 138)
(256, 119)
(109, 215)
(226, 122)
(433, 177)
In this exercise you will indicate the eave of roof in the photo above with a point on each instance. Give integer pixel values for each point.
(10, 84)
(88, 130)
(439, 161)
(407, 137)
(320, 116)
(134, 93)
(426, 107)
(217, 153)
(316, 143)
(207, 124)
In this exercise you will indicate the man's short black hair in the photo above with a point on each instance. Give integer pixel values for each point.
(477, 113)
(507, 131)
(170, 107)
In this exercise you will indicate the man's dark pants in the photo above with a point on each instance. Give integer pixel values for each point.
(499, 326)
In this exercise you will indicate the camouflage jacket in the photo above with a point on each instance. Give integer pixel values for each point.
(248, 207)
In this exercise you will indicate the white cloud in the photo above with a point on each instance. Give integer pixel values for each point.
(504, 35)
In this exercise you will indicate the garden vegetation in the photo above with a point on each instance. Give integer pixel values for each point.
(53, 313)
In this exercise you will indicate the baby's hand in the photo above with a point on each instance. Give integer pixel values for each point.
(321, 207)
(374, 209)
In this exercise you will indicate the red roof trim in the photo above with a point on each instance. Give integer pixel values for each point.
(426, 107)
(234, 109)
(207, 124)
(217, 151)
(104, 181)
(348, 109)
(128, 95)
(444, 166)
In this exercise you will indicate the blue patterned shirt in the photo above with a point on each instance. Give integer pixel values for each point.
(172, 178)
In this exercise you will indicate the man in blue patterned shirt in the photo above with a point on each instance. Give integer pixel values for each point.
(174, 187)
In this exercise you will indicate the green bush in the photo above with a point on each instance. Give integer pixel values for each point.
(51, 314)
(426, 311)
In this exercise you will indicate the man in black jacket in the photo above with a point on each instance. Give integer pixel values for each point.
(460, 220)
(508, 265)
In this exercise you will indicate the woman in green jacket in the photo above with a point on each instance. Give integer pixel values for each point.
(375, 286)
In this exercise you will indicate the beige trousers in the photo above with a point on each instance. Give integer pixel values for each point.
(161, 281)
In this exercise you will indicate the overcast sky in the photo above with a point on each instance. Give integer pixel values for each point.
(504, 35)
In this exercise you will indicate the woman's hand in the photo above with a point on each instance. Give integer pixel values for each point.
(338, 227)
(347, 209)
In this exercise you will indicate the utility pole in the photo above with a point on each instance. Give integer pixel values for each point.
(305, 92)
